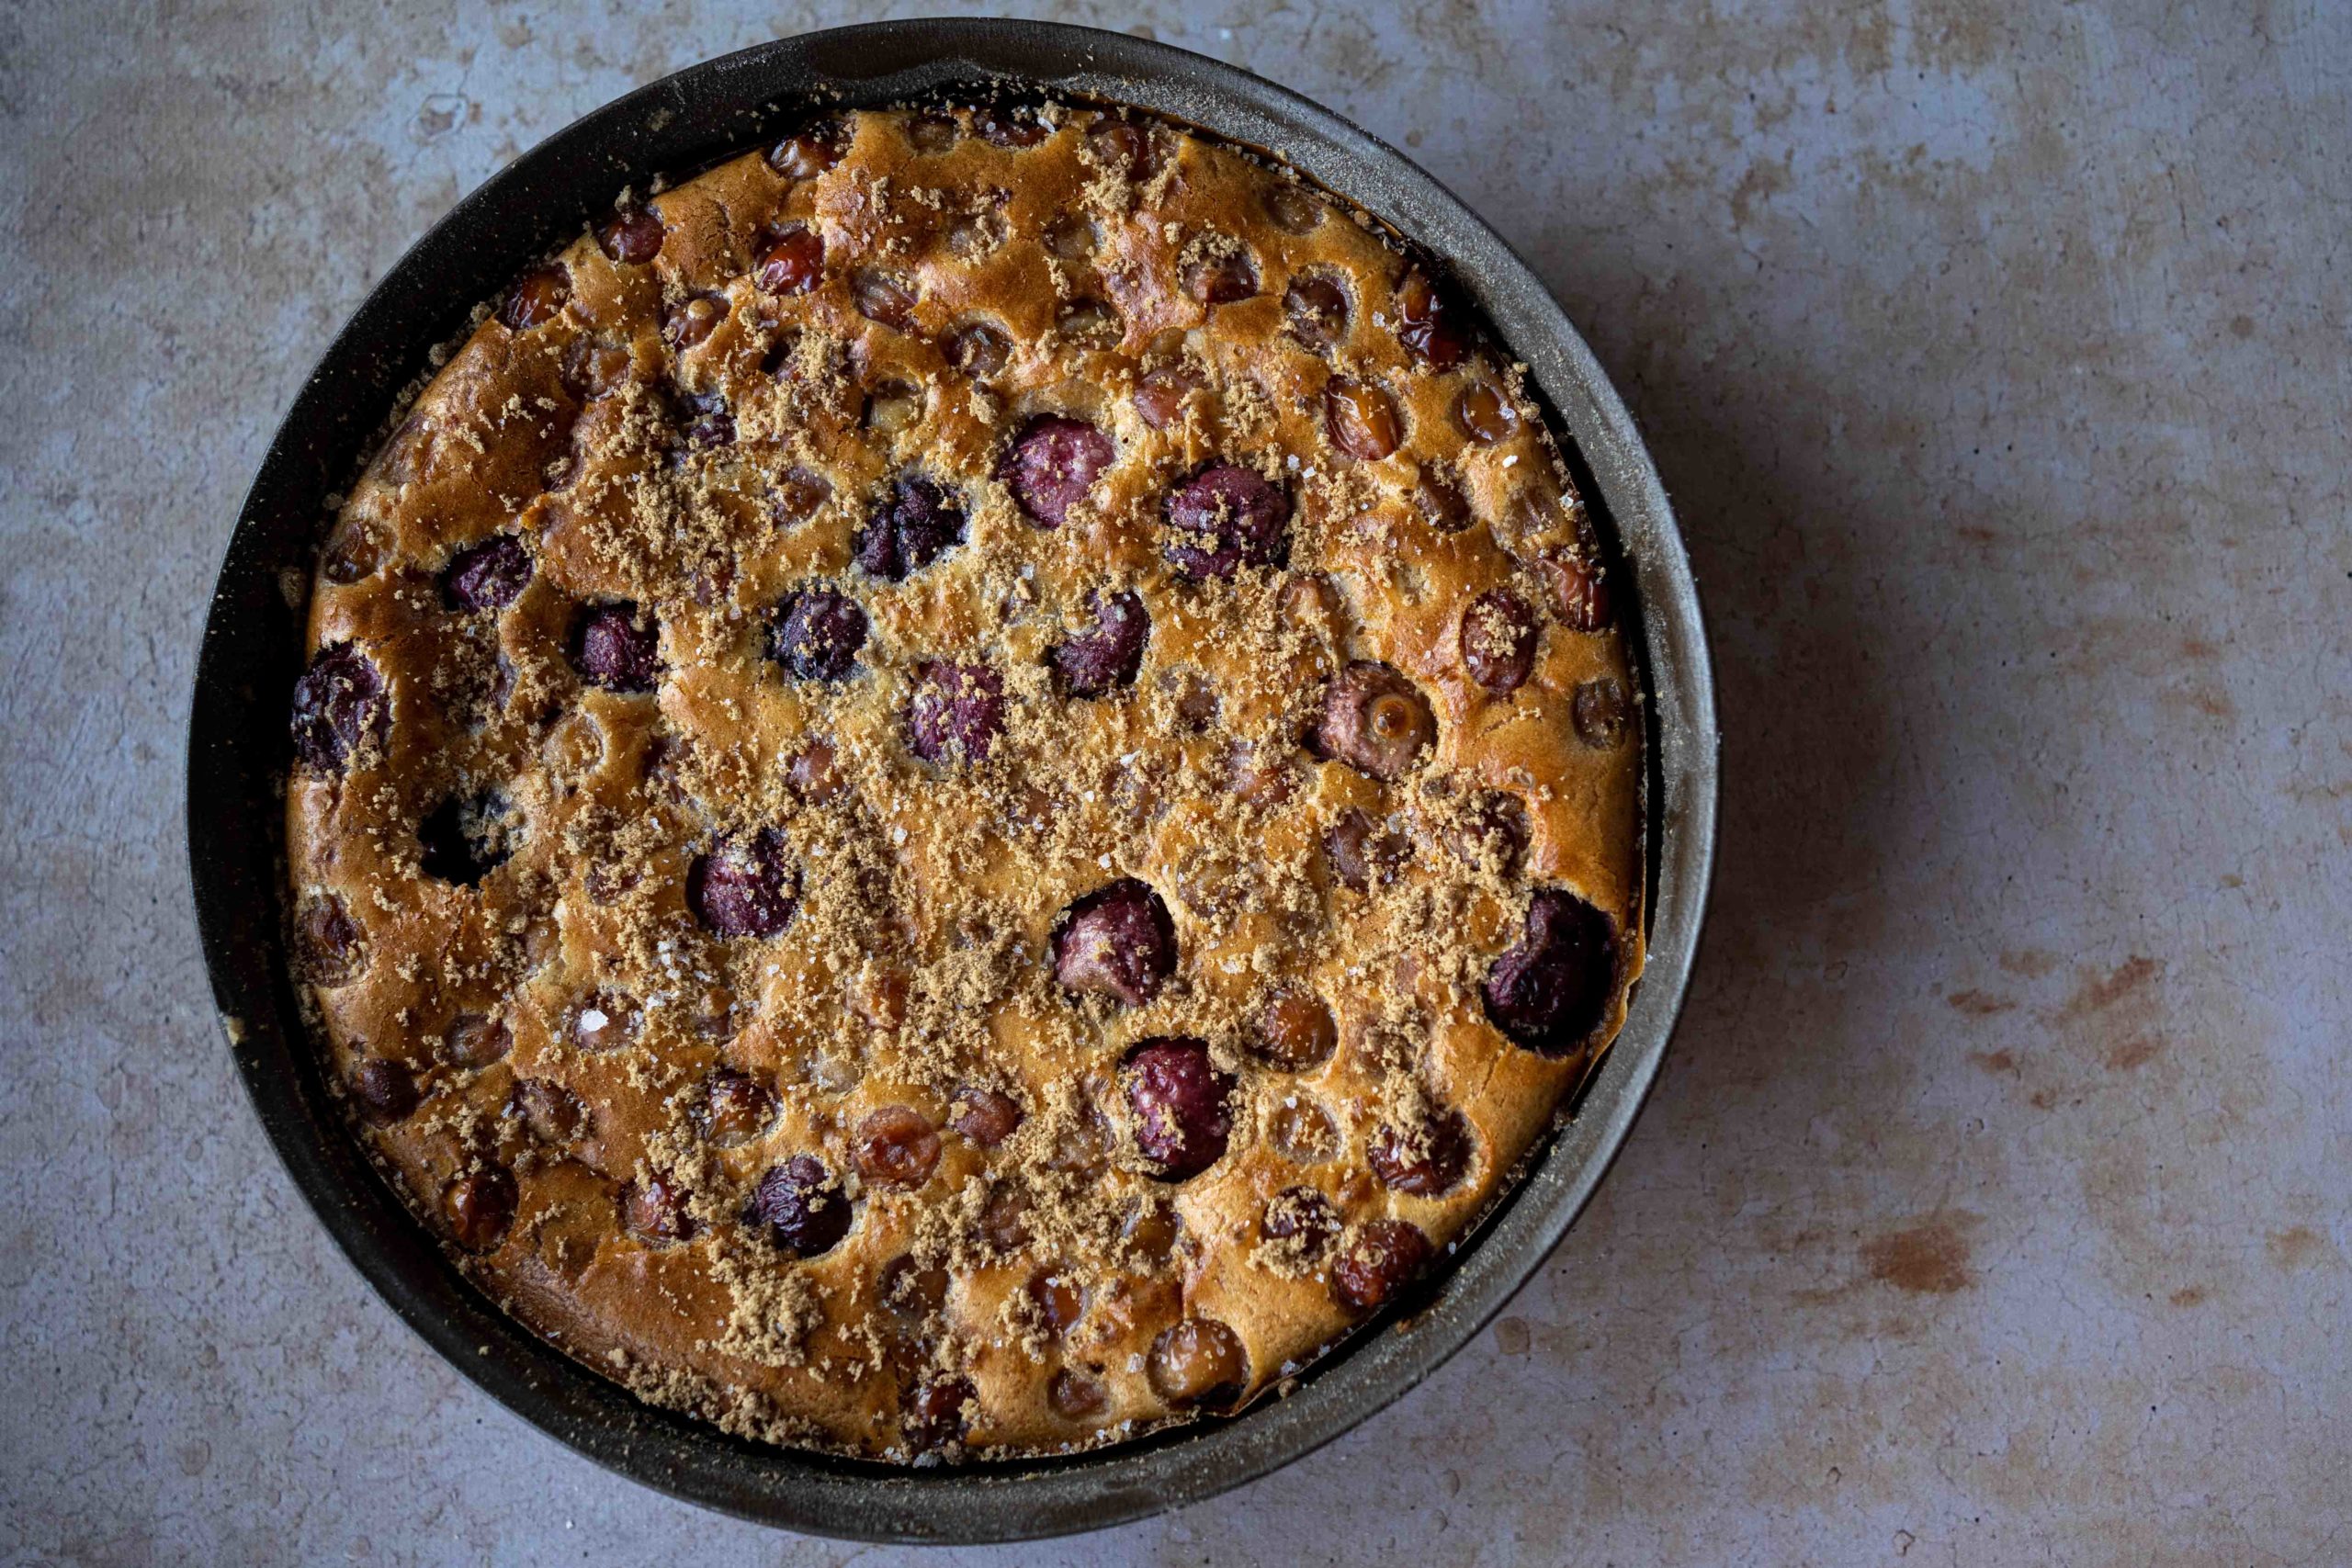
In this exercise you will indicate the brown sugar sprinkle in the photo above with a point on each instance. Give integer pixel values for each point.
(936, 777)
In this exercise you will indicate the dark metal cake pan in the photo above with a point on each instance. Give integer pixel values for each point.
(252, 650)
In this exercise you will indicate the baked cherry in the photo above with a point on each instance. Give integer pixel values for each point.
(1116, 942)
(1362, 852)
(1484, 414)
(1177, 1100)
(1226, 516)
(1074, 1396)
(618, 647)
(1441, 502)
(538, 296)
(815, 773)
(735, 1108)
(799, 1207)
(986, 1116)
(1549, 992)
(909, 1292)
(1009, 127)
(896, 1147)
(654, 1210)
(1162, 394)
(884, 300)
(797, 495)
(1059, 1299)
(606, 1021)
(1374, 720)
(1221, 279)
(1381, 1260)
(1089, 321)
(1294, 208)
(1598, 710)
(978, 349)
(1197, 1362)
(488, 576)
(1362, 418)
(328, 943)
(465, 838)
(385, 1090)
(1425, 1160)
(791, 263)
(1125, 149)
(808, 152)
(1303, 1217)
(1004, 1218)
(1317, 308)
(743, 887)
(691, 320)
(818, 634)
(340, 709)
(1492, 827)
(956, 711)
(631, 236)
(1106, 657)
(1498, 641)
(910, 527)
(1052, 465)
(1303, 1131)
(1578, 590)
(1295, 1031)
(1428, 324)
(551, 1112)
(478, 1207)
(939, 1411)
(476, 1040)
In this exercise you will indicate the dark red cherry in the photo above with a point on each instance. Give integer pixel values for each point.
(1381, 1260)
(1429, 324)
(957, 712)
(896, 1147)
(1105, 658)
(538, 296)
(914, 526)
(1424, 1161)
(792, 263)
(480, 1207)
(340, 709)
(744, 887)
(1197, 1362)
(1116, 942)
(939, 1411)
(1317, 310)
(654, 1210)
(1498, 641)
(1226, 516)
(1550, 991)
(465, 837)
(1600, 712)
(1178, 1099)
(1221, 279)
(819, 634)
(799, 1207)
(488, 576)
(691, 320)
(809, 152)
(1052, 465)
(1374, 720)
(1303, 1217)
(986, 1116)
(329, 946)
(617, 647)
(631, 236)
(385, 1090)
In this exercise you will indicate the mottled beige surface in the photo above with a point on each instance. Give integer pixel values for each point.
(1993, 1208)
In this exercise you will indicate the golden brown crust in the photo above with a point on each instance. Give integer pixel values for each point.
(915, 962)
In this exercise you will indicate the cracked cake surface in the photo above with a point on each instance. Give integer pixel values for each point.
(963, 787)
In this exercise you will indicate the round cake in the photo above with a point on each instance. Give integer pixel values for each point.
(963, 787)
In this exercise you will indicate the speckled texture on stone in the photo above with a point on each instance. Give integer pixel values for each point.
(1992, 1207)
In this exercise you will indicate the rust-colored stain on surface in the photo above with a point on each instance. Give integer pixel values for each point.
(1929, 1258)
(2098, 992)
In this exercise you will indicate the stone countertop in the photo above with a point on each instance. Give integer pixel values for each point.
(1992, 1207)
